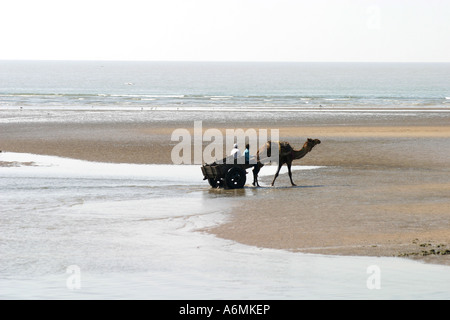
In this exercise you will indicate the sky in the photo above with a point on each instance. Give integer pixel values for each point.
(226, 30)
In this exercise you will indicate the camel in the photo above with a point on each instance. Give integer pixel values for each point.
(286, 154)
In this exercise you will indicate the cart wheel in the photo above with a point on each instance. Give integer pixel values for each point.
(235, 178)
(212, 182)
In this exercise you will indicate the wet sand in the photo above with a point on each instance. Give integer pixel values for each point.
(383, 189)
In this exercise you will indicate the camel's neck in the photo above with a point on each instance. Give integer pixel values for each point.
(298, 154)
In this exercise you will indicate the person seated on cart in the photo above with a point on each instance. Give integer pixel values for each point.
(247, 153)
(235, 152)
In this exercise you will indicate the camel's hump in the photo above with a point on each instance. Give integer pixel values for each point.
(284, 148)
(283, 145)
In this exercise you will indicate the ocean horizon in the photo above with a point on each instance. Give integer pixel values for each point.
(215, 85)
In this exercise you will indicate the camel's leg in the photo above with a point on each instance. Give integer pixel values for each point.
(256, 170)
(276, 174)
(290, 173)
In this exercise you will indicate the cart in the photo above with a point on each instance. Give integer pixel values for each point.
(228, 174)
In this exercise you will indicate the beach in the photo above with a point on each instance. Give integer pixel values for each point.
(381, 188)
(95, 203)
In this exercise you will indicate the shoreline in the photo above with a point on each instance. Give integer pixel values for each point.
(383, 189)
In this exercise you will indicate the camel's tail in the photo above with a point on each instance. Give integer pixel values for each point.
(264, 154)
(264, 151)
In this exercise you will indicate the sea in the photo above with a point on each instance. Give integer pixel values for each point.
(280, 90)
(74, 229)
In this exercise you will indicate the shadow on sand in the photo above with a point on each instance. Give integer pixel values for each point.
(284, 187)
(249, 190)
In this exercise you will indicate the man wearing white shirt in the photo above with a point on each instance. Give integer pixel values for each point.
(235, 151)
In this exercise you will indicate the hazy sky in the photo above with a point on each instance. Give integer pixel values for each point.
(226, 30)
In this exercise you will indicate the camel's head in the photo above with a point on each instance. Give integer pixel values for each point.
(311, 143)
